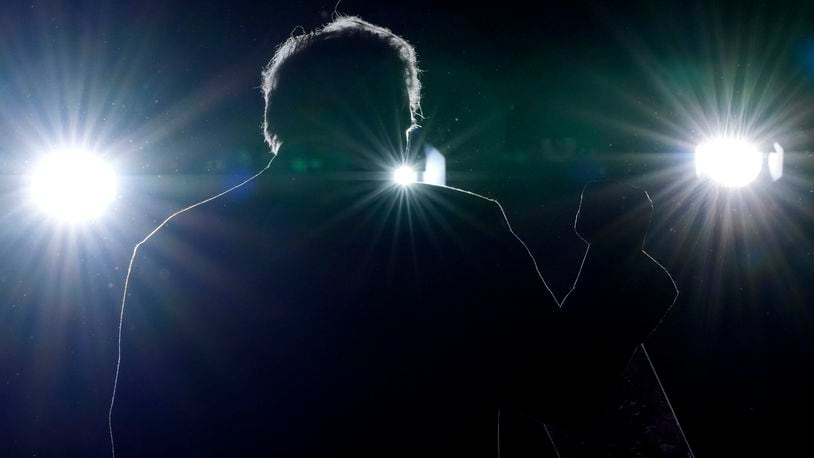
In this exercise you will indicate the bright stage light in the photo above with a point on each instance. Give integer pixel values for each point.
(405, 175)
(729, 161)
(72, 186)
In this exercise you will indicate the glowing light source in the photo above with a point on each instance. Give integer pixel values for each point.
(72, 185)
(405, 175)
(731, 162)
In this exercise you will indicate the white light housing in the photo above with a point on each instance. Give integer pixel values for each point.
(775, 160)
(731, 162)
(435, 169)
(72, 185)
(405, 175)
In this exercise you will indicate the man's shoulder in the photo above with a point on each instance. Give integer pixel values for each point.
(466, 205)
(448, 192)
(218, 227)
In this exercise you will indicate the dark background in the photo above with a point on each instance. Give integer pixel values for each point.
(527, 101)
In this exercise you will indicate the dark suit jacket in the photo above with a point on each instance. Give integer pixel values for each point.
(370, 321)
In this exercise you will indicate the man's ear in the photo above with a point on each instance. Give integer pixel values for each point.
(415, 141)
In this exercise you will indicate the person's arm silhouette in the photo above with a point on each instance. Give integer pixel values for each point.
(614, 219)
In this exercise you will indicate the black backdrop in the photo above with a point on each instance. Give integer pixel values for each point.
(527, 101)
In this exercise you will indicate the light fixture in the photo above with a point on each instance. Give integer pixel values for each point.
(72, 185)
(731, 162)
(405, 175)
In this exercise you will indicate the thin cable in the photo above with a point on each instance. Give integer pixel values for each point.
(650, 361)
(551, 440)
(669, 404)
(127, 283)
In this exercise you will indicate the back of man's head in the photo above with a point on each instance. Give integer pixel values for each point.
(350, 85)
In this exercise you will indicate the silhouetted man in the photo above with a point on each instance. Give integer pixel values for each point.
(335, 313)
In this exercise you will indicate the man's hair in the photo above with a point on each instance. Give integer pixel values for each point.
(362, 36)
